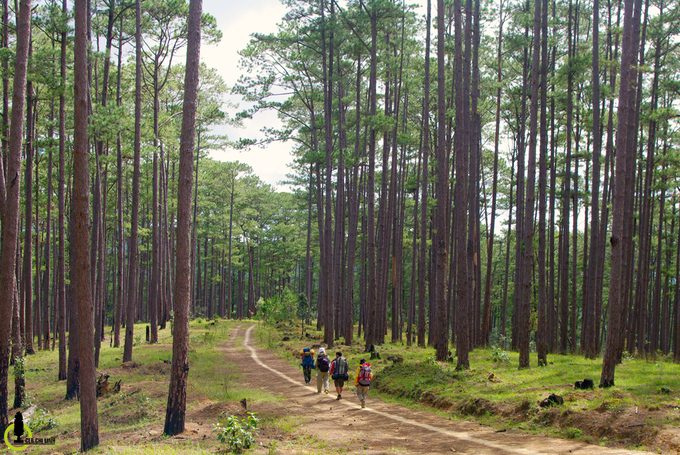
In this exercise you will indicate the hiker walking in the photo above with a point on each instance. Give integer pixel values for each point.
(362, 380)
(307, 357)
(323, 365)
(339, 369)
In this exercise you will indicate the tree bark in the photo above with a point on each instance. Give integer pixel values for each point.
(27, 273)
(528, 260)
(621, 237)
(542, 308)
(176, 410)
(133, 261)
(89, 427)
(9, 202)
(371, 301)
(425, 153)
(48, 230)
(440, 241)
(120, 271)
(61, 261)
(486, 316)
(566, 200)
(589, 344)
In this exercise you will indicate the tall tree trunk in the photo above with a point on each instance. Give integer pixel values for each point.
(552, 301)
(155, 229)
(353, 210)
(621, 238)
(651, 146)
(231, 226)
(670, 240)
(27, 274)
(440, 241)
(96, 231)
(521, 183)
(528, 260)
(486, 316)
(341, 313)
(48, 230)
(37, 295)
(251, 281)
(120, 290)
(504, 302)
(392, 214)
(5, 95)
(414, 254)
(61, 261)
(89, 427)
(589, 344)
(327, 260)
(9, 202)
(133, 261)
(612, 54)
(542, 309)
(425, 153)
(474, 241)
(566, 200)
(632, 201)
(176, 410)
(370, 330)
(17, 354)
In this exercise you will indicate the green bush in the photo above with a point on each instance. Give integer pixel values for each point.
(499, 356)
(238, 433)
(573, 433)
(42, 420)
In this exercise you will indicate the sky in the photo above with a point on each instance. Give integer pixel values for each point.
(238, 19)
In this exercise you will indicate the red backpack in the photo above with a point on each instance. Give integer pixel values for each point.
(365, 375)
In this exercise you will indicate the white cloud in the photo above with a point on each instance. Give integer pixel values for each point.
(238, 20)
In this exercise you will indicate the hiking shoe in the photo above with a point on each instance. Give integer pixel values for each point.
(363, 404)
(339, 397)
(326, 392)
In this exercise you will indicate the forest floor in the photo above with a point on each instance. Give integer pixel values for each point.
(227, 365)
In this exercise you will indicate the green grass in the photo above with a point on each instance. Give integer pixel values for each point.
(140, 407)
(132, 422)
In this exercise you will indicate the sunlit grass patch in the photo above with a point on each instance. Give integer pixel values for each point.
(287, 424)
(186, 447)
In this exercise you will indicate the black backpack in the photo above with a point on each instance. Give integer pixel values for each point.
(323, 363)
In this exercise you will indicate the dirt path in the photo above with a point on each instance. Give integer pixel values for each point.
(381, 427)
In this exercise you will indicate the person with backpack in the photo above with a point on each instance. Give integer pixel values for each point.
(307, 356)
(323, 365)
(362, 380)
(339, 369)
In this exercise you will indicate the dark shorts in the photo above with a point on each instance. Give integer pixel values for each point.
(339, 382)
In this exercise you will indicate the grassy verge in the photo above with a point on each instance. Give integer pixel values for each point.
(132, 421)
(644, 403)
